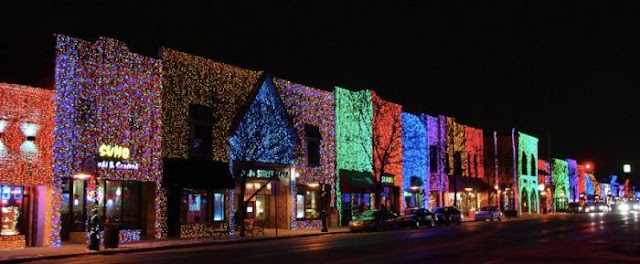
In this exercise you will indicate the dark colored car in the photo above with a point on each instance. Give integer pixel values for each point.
(416, 217)
(447, 215)
(374, 220)
(597, 207)
(575, 208)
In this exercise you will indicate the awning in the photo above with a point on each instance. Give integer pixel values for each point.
(204, 174)
(477, 184)
(356, 182)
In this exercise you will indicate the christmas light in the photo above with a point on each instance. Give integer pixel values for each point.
(528, 175)
(354, 117)
(387, 141)
(26, 152)
(415, 154)
(106, 94)
(474, 147)
(573, 179)
(307, 105)
(192, 80)
(560, 176)
(455, 139)
(436, 140)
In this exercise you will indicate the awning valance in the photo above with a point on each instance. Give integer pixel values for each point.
(356, 182)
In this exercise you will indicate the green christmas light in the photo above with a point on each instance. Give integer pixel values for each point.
(560, 178)
(354, 122)
(528, 171)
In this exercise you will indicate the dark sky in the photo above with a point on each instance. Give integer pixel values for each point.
(567, 72)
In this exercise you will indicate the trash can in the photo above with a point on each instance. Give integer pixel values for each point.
(111, 235)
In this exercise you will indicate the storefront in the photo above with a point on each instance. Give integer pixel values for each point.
(390, 194)
(27, 192)
(357, 193)
(108, 139)
(267, 195)
(198, 194)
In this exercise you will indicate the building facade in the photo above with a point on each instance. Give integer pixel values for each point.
(29, 192)
(108, 127)
(201, 100)
(415, 162)
(313, 190)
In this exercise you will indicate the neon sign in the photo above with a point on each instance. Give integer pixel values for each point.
(114, 157)
(113, 152)
(388, 179)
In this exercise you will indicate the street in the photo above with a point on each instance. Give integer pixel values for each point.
(558, 238)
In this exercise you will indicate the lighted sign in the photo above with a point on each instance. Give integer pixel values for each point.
(388, 179)
(118, 165)
(626, 168)
(266, 173)
(114, 157)
(113, 152)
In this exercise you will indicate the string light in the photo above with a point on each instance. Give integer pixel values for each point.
(456, 143)
(474, 146)
(26, 128)
(573, 178)
(106, 94)
(354, 117)
(415, 153)
(307, 105)
(528, 176)
(189, 79)
(560, 176)
(387, 141)
(436, 140)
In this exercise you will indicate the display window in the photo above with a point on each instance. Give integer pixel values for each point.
(10, 209)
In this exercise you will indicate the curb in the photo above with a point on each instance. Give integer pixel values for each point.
(146, 249)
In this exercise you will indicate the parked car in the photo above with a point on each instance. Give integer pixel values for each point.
(374, 220)
(488, 213)
(597, 207)
(416, 217)
(634, 206)
(447, 215)
(575, 208)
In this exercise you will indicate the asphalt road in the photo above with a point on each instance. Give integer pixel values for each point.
(559, 238)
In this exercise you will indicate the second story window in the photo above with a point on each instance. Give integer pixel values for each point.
(201, 122)
(313, 138)
(433, 159)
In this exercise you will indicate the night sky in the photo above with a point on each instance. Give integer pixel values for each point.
(564, 72)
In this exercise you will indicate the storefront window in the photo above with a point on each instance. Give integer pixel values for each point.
(10, 209)
(218, 207)
(308, 205)
(299, 206)
(78, 205)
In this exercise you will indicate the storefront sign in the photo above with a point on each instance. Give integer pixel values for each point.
(388, 179)
(117, 165)
(266, 173)
(114, 157)
(113, 152)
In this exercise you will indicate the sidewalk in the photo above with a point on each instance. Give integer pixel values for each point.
(72, 250)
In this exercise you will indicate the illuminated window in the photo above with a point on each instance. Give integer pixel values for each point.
(218, 207)
(300, 206)
(11, 210)
(308, 204)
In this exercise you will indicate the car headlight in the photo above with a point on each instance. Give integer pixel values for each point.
(357, 223)
(636, 206)
(601, 207)
(579, 207)
(624, 207)
(592, 207)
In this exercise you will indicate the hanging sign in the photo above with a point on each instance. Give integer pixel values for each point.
(388, 179)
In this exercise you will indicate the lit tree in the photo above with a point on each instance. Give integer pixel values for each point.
(264, 136)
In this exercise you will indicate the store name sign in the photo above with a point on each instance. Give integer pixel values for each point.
(115, 157)
(265, 173)
(113, 152)
(388, 179)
